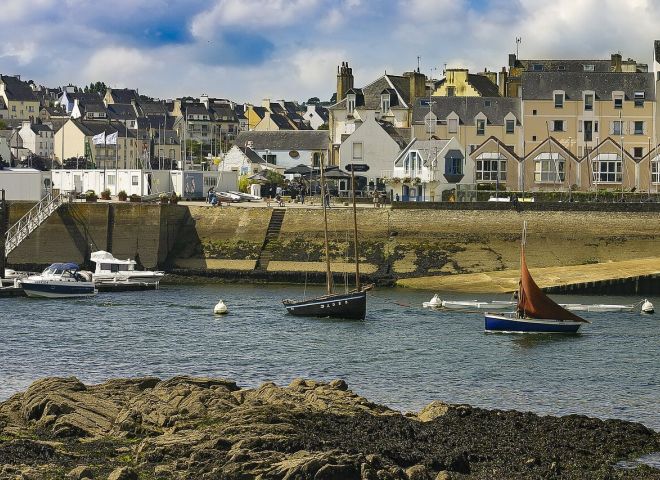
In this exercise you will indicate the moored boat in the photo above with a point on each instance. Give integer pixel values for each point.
(60, 280)
(535, 312)
(111, 271)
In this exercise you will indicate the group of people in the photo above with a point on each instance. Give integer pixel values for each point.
(379, 198)
(212, 198)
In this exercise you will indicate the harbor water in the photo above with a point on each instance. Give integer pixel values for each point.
(401, 355)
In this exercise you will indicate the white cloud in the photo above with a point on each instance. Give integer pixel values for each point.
(15, 10)
(250, 14)
(120, 66)
(315, 67)
(24, 52)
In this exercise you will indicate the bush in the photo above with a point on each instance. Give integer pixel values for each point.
(174, 198)
(122, 195)
(164, 198)
(105, 194)
(136, 198)
(90, 196)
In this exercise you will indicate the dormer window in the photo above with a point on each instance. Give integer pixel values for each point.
(350, 103)
(559, 99)
(639, 99)
(451, 91)
(537, 67)
(452, 125)
(588, 102)
(384, 103)
(618, 100)
(481, 126)
(589, 67)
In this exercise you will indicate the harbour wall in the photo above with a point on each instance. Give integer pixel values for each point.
(394, 243)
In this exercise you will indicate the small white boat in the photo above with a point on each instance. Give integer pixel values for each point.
(597, 307)
(60, 280)
(220, 308)
(113, 271)
(647, 307)
(245, 196)
(437, 303)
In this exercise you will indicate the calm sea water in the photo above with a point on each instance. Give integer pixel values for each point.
(402, 355)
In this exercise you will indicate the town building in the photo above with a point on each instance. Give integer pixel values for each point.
(288, 148)
(38, 139)
(20, 100)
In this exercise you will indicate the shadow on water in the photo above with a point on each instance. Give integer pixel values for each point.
(527, 340)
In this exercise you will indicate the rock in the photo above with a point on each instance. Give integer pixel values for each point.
(339, 385)
(443, 475)
(337, 472)
(80, 472)
(123, 473)
(432, 411)
(419, 472)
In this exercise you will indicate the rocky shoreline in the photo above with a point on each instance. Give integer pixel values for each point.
(202, 428)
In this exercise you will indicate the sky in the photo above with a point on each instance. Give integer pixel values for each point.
(247, 50)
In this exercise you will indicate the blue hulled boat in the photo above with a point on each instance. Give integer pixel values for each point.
(60, 280)
(535, 311)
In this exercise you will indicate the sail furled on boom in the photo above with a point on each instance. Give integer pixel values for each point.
(536, 304)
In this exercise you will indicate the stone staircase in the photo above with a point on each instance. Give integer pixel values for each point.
(33, 218)
(273, 231)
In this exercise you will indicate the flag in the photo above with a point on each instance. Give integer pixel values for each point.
(99, 139)
(111, 139)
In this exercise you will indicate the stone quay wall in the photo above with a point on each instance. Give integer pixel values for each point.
(394, 243)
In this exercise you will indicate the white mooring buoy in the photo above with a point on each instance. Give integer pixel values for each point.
(647, 307)
(220, 308)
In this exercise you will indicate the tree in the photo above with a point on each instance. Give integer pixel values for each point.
(313, 101)
(96, 87)
(3, 125)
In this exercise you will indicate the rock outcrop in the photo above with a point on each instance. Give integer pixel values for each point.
(206, 428)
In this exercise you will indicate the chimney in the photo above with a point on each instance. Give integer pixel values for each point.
(492, 76)
(266, 103)
(512, 60)
(616, 62)
(417, 85)
(205, 100)
(502, 82)
(344, 80)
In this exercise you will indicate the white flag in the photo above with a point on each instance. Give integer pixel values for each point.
(99, 139)
(111, 139)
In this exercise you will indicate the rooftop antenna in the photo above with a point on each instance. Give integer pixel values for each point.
(518, 42)
(418, 59)
(444, 68)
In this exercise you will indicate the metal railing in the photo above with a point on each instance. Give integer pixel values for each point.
(33, 218)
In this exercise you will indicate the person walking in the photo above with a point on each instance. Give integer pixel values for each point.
(326, 198)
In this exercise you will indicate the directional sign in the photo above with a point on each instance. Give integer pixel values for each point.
(357, 167)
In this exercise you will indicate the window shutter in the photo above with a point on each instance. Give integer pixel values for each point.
(611, 128)
(644, 127)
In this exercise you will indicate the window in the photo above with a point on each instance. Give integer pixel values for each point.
(533, 138)
(357, 151)
(409, 163)
(488, 171)
(561, 68)
(557, 125)
(384, 103)
(270, 158)
(617, 127)
(607, 168)
(134, 180)
(451, 91)
(588, 67)
(588, 130)
(453, 165)
(487, 103)
(537, 67)
(655, 170)
(639, 99)
(452, 125)
(589, 102)
(547, 169)
(639, 128)
(481, 127)
(111, 179)
(559, 100)
(638, 152)
(618, 101)
(510, 125)
(13, 108)
(533, 112)
(350, 103)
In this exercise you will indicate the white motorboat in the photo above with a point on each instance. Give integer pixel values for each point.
(60, 280)
(245, 196)
(437, 303)
(597, 307)
(113, 271)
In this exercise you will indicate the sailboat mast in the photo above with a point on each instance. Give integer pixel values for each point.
(355, 234)
(328, 273)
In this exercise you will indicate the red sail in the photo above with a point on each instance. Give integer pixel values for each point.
(536, 304)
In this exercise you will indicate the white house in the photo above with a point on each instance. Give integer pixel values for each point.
(373, 145)
(317, 116)
(288, 148)
(427, 168)
(38, 139)
(245, 161)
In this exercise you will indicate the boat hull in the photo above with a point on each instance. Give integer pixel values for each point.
(502, 323)
(352, 306)
(58, 289)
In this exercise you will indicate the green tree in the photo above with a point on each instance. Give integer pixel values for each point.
(313, 100)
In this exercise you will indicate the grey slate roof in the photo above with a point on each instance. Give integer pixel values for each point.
(565, 65)
(121, 111)
(467, 108)
(281, 121)
(286, 139)
(195, 109)
(85, 98)
(540, 85)
(397, 134)
(252, 155)
(94, 127)
(153, 108)
(36, 128)
(17, 89)
(123, 95)
(223, 113)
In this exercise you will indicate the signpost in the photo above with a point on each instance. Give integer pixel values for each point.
(357, 167)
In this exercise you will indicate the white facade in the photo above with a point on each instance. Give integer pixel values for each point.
(311, 115)
(427, 168)
(24, 184)
(138, 182)
(236, 160)
(194, 185)
(38, 140)
(5, 153)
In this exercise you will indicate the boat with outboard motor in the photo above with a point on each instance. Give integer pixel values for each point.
(111, 271)
(60, 280)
